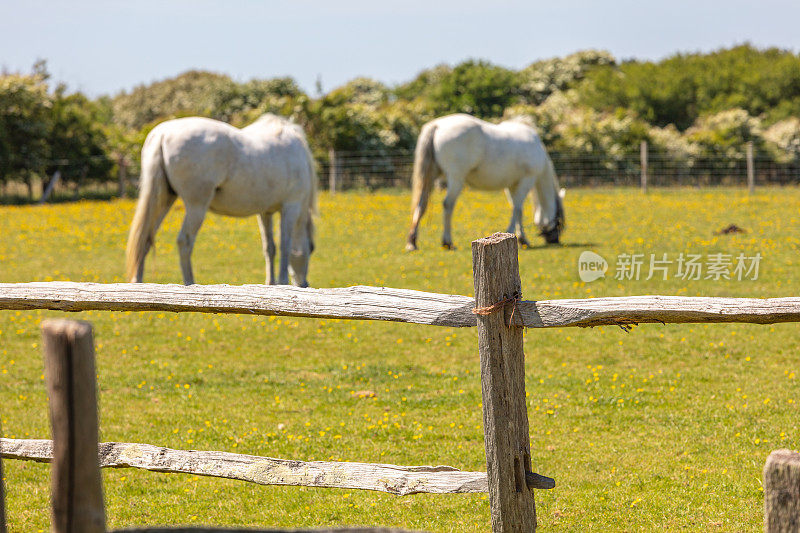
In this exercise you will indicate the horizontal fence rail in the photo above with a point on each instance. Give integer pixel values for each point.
(190, 529)
(397, 305)
(393, 479)
(355, 303)
(631, 310)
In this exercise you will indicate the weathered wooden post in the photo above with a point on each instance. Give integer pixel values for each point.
(333, 171)
(495, 269)
(77, 490)
(751, 168)
(643, 159)
(51, 186)
(782, 492)
(2, 489)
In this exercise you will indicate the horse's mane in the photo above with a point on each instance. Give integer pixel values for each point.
(527, 120)
(275, 124)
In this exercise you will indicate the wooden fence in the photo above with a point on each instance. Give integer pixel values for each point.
(500, 316)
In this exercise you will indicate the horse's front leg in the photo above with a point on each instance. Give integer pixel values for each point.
(517, 197)
(186, 238)
(268, 244)
(454, 188)
(289, 215)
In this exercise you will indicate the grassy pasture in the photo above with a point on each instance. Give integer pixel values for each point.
(663, 427)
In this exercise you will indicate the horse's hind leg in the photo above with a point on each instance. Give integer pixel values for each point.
(416, 217)
(149, 243)
(191, 225)
(289, 215)
(454, 187)
(268, 243)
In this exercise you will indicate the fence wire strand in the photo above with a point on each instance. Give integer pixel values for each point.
(380, 169)
(373, 170)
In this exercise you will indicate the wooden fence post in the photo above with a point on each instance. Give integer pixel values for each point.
(643, 160)
(751, 168)
(2, 488)
(51, 186)
(77, 490)
(332, 171)
(782, 492)
(495, 270)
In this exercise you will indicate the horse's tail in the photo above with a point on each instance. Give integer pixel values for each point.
(312, 207)
(425, 167)
(425, 172)
(154, 200)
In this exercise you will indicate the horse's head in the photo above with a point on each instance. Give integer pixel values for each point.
(303, 247)
(551, 231)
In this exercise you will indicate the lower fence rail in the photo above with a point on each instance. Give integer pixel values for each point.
(393, 479)
(227, 530)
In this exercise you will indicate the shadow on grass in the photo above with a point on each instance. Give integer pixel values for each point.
(561, 245)
(21, 199)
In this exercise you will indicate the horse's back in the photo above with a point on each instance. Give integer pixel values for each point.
(237, 172)
(269, 176)
(197, 155)
(458, 143)
(196, 142)
(191, 131)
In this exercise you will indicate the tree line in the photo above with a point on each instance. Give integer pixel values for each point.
(687, 106)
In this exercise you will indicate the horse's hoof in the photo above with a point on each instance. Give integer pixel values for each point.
(523, 242)
(448, 246)
(411, 247)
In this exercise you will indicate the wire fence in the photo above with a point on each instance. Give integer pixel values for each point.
(372, 170)
(367, 170)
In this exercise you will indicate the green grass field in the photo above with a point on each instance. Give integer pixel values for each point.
(663, 427)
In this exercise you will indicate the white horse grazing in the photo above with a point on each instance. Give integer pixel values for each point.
(258, 170)
(509, 156)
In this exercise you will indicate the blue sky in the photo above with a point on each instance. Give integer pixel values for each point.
(107, 46)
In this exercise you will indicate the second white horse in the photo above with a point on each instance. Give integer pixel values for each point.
(509, 155)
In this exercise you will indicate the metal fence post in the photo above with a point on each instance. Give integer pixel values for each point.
(332, 171)
(643, 161)
(751, 168)
(122, 177)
